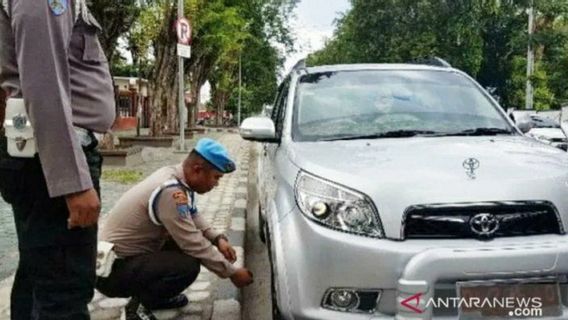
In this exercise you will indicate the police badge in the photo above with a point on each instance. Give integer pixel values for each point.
(58, 7)
(20, 121)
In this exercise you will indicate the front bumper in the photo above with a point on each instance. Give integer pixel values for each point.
(311, 258)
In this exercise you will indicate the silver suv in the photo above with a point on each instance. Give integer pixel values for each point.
(405, 191)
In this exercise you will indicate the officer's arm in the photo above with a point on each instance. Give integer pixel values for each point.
(42, 45)
(202, 224)
(177, 220)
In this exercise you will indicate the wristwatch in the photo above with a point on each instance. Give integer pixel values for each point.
(219, 237)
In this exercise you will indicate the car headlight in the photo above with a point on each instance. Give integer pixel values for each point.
(336, 206)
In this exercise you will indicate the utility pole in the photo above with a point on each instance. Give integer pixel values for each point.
(240, 84)
(140, 97)
(530, 60)
(181, 98)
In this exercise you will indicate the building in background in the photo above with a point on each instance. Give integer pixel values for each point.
(129, 91)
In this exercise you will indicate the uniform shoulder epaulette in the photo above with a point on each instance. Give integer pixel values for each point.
(155, 196)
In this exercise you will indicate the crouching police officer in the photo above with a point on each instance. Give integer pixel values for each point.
(59, 91)
(161, 239)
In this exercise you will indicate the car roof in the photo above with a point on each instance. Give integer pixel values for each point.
(377, 66)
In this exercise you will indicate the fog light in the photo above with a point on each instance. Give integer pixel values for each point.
(344, 299)
(351, 300)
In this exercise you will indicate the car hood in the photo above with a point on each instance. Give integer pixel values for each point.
(398, 173)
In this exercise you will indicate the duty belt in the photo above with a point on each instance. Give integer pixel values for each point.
(87, 138)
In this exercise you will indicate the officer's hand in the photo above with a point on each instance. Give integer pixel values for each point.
(84, 208)
(241, 278)
(227, 250)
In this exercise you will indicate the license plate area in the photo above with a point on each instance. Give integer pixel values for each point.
(509, 299)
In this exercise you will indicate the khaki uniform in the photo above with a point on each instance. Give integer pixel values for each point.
(135, 231)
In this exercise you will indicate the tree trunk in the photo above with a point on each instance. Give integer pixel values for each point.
(199, 68)
(163, 105)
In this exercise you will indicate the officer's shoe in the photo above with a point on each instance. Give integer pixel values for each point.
(134, 310)
(172, 303)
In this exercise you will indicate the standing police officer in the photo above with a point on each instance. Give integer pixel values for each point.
(51, 57)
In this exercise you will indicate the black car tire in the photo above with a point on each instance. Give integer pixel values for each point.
(261, 226)
(276, 315)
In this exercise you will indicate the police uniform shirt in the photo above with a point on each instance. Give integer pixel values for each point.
(130, 226)
(50, 55)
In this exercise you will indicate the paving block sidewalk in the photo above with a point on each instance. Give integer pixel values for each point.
(210, 297)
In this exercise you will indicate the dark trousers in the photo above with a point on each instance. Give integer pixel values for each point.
(56, 272)
(152, 277)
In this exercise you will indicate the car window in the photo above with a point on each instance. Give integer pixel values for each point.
(274, 113)
(331, 104)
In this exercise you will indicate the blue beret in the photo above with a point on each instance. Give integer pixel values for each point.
(216, 154)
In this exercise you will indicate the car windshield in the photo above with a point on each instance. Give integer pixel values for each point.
(369, 104)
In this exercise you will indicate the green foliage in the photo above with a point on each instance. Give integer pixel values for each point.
(116, 18)
(486, 38)
(265, 22)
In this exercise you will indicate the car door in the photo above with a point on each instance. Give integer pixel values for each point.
(270, 150)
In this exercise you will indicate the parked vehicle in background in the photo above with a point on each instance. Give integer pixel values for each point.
(544, 126)
(386, 188)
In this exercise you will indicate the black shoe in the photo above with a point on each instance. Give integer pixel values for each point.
(172, 303)
(134, 310)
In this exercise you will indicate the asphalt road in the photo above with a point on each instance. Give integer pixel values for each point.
(256, 297)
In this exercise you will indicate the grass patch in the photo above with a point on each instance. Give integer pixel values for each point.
(123, 176)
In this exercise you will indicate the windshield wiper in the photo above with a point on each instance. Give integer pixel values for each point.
(387, 134)
(481, 132)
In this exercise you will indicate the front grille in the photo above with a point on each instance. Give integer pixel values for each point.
(481, 220)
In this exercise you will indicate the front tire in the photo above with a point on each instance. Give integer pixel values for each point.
(261, 226)
(276, 315)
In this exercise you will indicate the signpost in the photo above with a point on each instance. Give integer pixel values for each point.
(183, 30)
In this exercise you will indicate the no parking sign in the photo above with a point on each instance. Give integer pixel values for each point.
(183, 29)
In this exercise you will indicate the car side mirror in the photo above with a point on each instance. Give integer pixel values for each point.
(524, 126)
(260, 129)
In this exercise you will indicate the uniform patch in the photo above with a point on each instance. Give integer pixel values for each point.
(183, 210)
(182, 204)
(180, 197)
(57, 7)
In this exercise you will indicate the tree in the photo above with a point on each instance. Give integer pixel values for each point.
(485, 38)
(116, 18)
(267, 22)
(219, 36)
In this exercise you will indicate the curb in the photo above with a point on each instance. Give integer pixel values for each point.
(228, 304)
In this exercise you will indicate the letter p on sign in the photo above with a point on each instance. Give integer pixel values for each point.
(183, 30)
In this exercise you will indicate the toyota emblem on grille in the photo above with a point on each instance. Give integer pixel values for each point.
(484, 224)
(470, 165)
